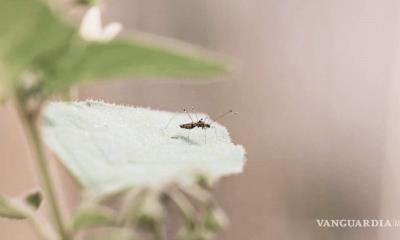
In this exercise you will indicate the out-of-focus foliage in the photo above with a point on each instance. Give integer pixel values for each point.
(8, 209)
(34, 199)
(87, 2)
(42, 54)
(91, 217)
(149, 211)
(34, 38)
(19, 208)
(115, 234)
(98, 61)
(28, 30)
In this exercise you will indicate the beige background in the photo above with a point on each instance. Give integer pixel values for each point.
(318, 97)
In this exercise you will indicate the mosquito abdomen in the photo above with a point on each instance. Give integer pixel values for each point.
(188, 125)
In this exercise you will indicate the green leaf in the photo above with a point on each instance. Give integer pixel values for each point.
(9, 208)
(99, 61)
(86, 2)
(34, 38)
(28, 30)
(92, 217)
(34, 199)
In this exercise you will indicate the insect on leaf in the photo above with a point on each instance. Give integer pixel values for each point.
(109, 147)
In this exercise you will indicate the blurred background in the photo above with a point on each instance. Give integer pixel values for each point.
(316, 85)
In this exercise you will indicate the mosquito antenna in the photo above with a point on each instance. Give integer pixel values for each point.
(169, 122)
(216, 134)
(223, 115)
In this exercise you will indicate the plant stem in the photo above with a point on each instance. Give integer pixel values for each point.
(40, 226)
(29, 122)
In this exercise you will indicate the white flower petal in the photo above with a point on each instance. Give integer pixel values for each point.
(111, 30)
(91, 28)
(110, 147)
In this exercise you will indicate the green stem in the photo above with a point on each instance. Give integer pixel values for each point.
(40, 226)
(29, 122)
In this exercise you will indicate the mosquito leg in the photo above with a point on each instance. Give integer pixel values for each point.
(223, 115)
(188, 134)
(205, 136)
(191, 119)
(212, 126)
(216, 134)
(195, 114)
(169, 122)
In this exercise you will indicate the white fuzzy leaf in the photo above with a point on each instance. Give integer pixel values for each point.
(109, 147)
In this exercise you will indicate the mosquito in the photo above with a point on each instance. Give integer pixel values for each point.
(201, 123)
